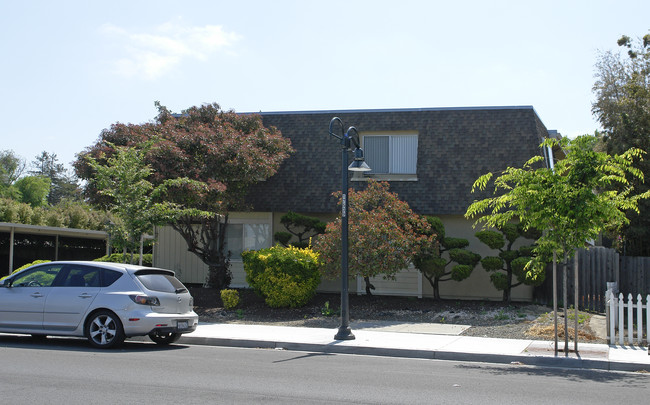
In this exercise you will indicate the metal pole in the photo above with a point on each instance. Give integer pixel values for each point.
(565, 280)
(344, 332)
(555, 300)
(575, 300)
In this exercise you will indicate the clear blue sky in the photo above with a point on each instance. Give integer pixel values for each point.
(72, 68)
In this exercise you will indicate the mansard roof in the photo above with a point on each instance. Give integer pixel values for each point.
(455, 147)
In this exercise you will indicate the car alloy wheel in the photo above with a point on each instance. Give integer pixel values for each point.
(104, 330)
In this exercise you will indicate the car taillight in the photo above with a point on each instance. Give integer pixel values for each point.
(145, 300)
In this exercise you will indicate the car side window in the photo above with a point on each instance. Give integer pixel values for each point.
(41, 276)
(109, 277)
(81, 276)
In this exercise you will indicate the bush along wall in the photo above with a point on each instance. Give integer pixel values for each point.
(283, 276)
(147, 259)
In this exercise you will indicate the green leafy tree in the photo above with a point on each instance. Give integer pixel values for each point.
(386, 232)
(622, 106)
(33, 190)
(510, 264)
(435, 268)
(225, 151)
(136, 204)
(11, 168)
(570, 205)
(302, 227)
(63, 186)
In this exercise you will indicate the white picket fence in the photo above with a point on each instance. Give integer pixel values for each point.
(616, 318)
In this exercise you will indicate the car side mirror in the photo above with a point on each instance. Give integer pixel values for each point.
(6, 282)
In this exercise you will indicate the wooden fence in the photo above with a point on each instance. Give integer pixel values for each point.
(599, 266)
(634, 275)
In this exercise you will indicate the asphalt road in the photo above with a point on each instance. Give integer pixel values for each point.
(68, 371)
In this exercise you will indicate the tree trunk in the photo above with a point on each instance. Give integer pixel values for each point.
(433, 281)
(206, 239)
(369, 286)
(436, 289)
(219, 276)
(506, 295)
(507, 292)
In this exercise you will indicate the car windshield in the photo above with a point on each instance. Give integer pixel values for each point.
(161, 282)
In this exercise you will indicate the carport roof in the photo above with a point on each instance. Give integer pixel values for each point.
(52, 231)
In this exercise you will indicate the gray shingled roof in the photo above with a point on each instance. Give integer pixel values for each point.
(455, 147)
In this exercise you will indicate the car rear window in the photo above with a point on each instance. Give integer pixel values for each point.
(161, 282)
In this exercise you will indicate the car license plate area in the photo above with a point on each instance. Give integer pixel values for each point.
(182, 325)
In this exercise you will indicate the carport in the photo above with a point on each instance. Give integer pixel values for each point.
(52, 236)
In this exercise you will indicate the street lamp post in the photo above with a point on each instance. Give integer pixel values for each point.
(358, 165)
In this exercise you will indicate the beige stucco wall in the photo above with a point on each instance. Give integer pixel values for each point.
(478, 285)
(170, 251)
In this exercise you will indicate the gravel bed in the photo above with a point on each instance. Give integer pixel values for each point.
(491, 319)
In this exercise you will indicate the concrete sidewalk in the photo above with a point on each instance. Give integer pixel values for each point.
(426, 341)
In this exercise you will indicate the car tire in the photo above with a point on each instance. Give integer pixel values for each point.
(104, 330)
(164, 338)
(38, 336)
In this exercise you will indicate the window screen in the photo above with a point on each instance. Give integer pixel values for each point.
(391, 154)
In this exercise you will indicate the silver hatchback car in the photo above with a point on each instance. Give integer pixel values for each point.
(104, 302)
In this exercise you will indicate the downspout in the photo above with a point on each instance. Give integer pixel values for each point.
(549, 158)
(548, 154)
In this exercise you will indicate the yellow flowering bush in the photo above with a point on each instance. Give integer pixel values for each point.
(230, 298)
(283, 276)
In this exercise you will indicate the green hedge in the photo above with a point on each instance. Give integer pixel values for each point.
(147, 259)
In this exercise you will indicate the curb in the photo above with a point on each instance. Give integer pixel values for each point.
(528, 360)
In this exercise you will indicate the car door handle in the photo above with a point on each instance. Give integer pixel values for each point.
(36, 295)
(85, 295)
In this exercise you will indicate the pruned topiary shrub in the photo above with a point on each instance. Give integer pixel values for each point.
(284, 277)
(508, 268)
(434, 267)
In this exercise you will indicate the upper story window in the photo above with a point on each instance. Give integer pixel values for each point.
(391, 154)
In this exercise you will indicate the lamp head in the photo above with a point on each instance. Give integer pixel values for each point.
(359, 164)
